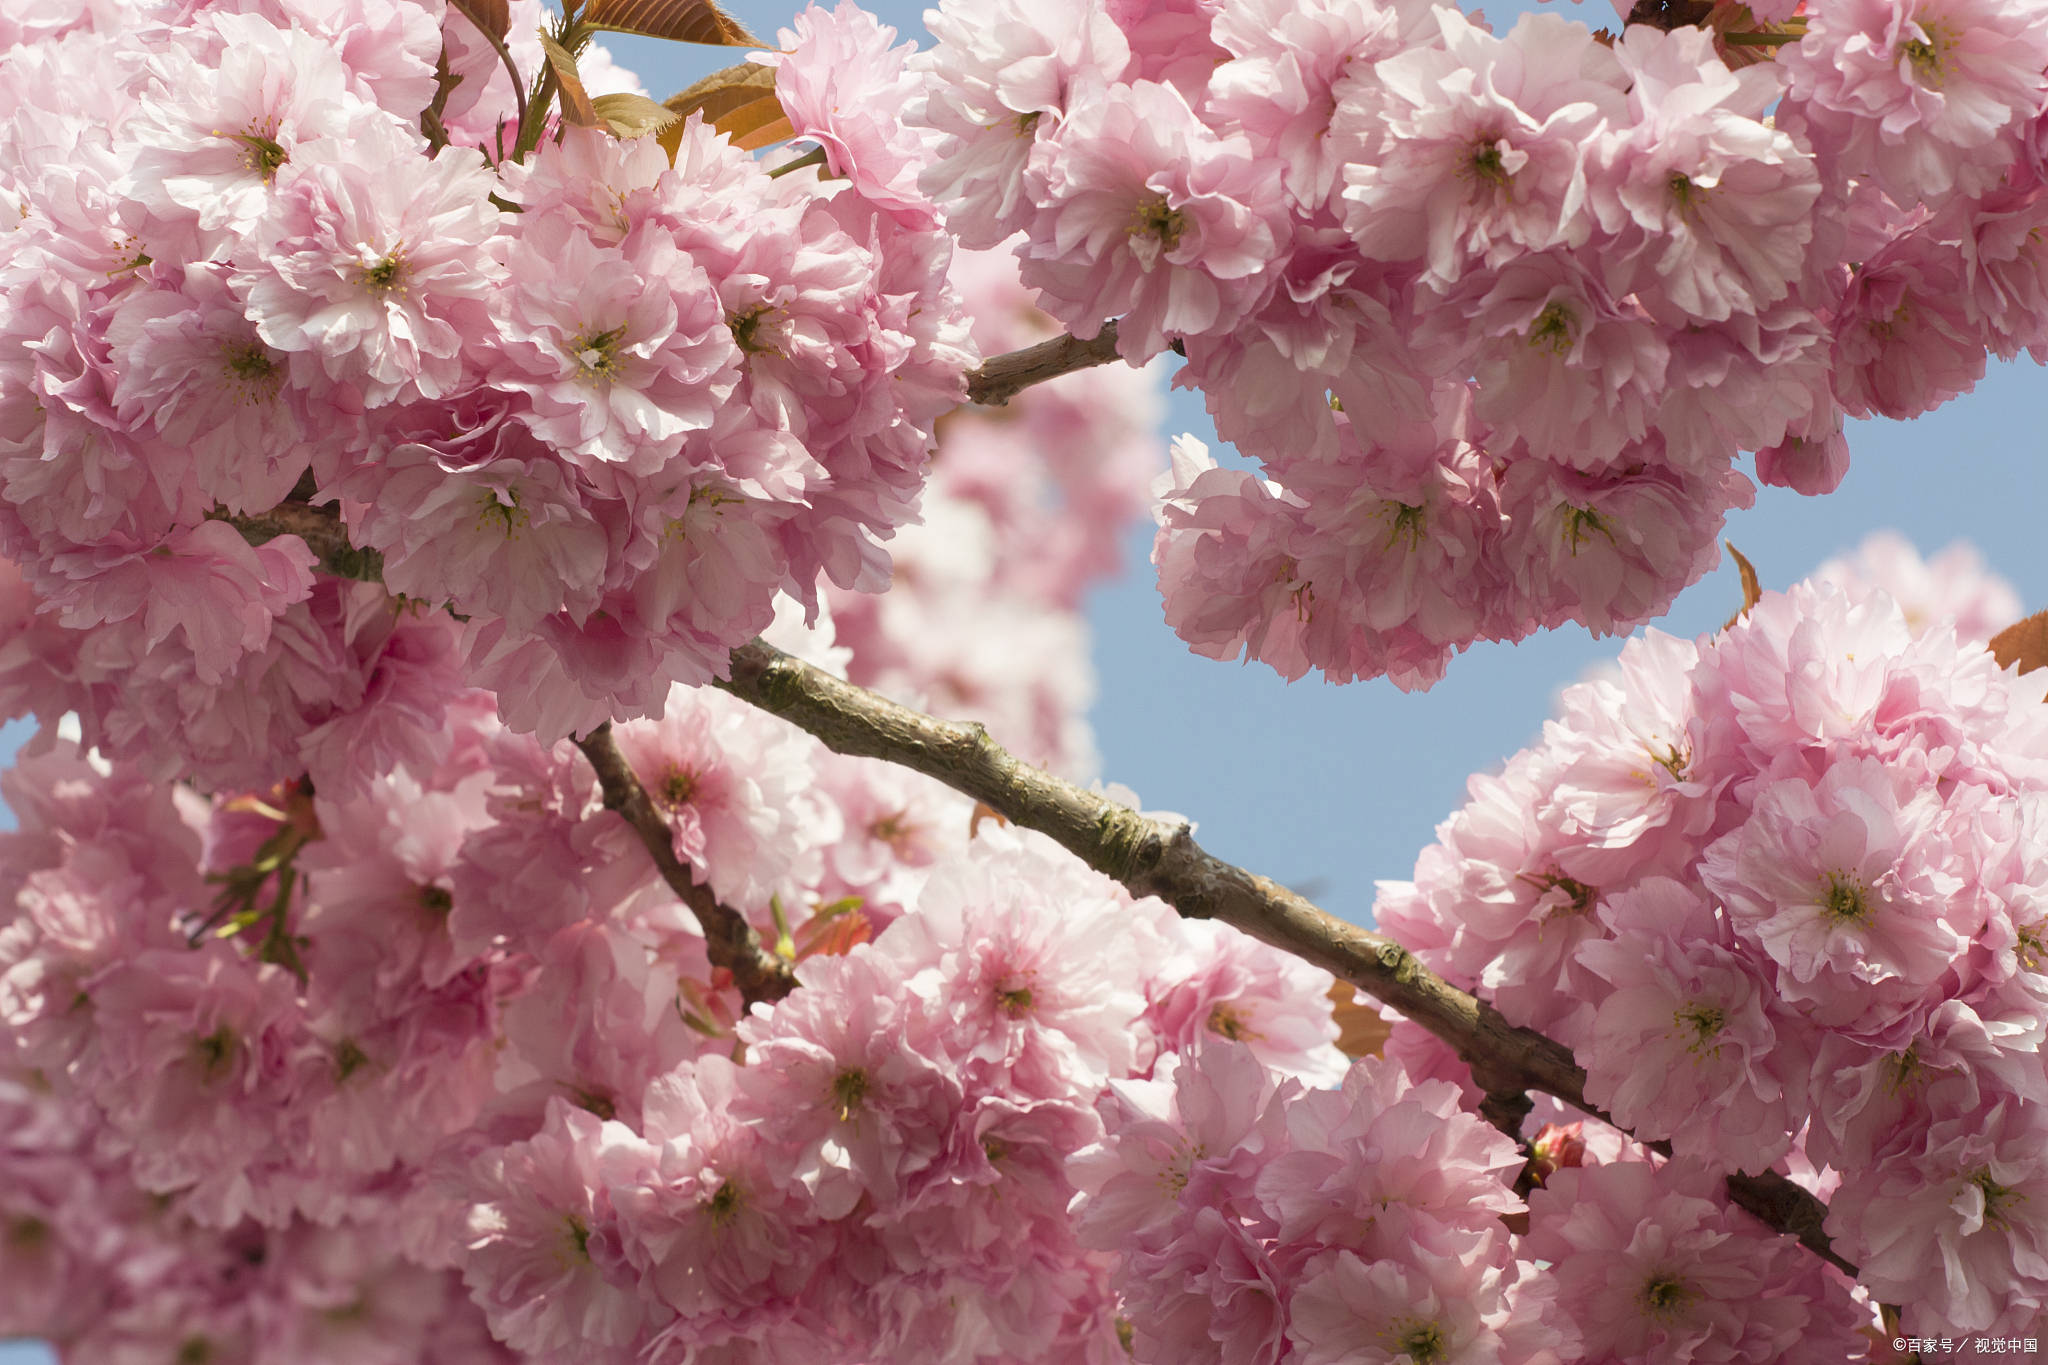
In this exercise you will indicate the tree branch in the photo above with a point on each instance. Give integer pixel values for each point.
(1153, 858)
(321, 529)
(1148, 856)
(1003, 377)
(729, 940)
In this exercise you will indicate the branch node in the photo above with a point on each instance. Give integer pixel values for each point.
(780, 686)
(1124, 835)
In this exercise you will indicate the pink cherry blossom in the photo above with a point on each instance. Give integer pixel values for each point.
(1849, 878)
(1686, 1047)
(371, 280)
(619, 352)
(846, 88)
(1474, 151)
(1917, 92)
(216, 127)
(1146, 213)
(1953, 588)
(493, 521)
(1969, 1187)
(530, 1238)
(991, 85)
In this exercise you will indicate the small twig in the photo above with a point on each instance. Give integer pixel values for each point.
(431, 125)
(1788, 1208)
(729, 940)
(1505, 1104)
(1003, 377)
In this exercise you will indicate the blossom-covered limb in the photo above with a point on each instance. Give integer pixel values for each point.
(728, 940)
(1148, 856)
(1003, 377)
(1154, 858)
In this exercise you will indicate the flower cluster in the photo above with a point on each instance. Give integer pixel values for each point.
(1259, 1223)
(596, 405)
(1496, 312)
(284, 1071)
(1781, 891)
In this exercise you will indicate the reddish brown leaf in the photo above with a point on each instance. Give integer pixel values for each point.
(1360, 1030)
(751, 136)
(836, 937)
(2025, 644)
(683, 21)
(983, 811)
(576, 105)
(1752, 590)
(719, 91)
(492, 16)
(739, 102)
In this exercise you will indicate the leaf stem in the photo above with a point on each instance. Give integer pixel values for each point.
(814, 157)
(504, 55)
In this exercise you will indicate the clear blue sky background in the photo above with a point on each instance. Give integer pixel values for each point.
(1330, 788)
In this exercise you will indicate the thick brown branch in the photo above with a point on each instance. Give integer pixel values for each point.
(1003, 377)
(729, 940)
(1148, 856)
(1154, 858)
(1669, 14)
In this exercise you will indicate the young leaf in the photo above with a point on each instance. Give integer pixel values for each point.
(576, 106)
(1361, 1031)
(739, 102)
(684, 21)
(630, 116)
(2025, 644)
(835, 936)
(1752, 590)
(492, 16)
